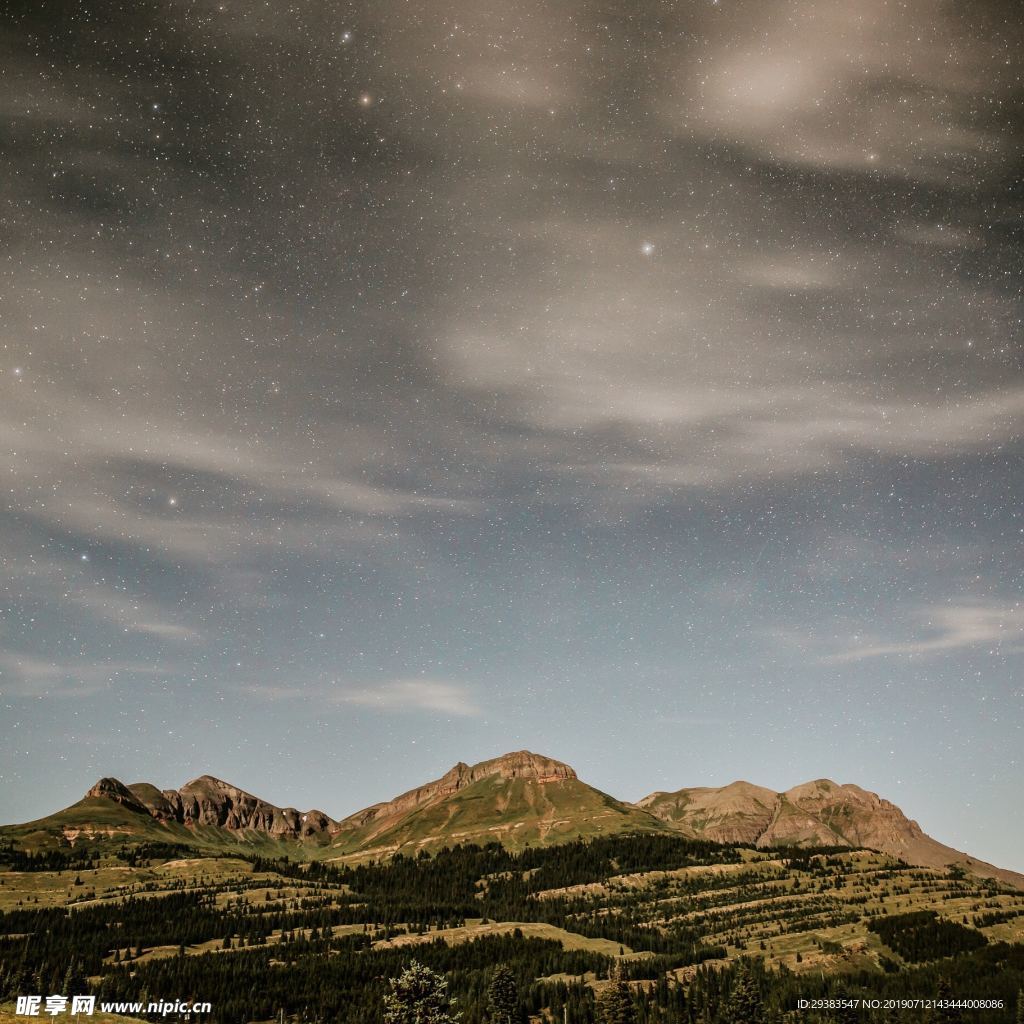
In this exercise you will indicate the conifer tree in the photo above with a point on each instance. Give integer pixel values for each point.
(744, 1005)
(615, 1004)
(502, 996)
(419, 996)
(74, 981)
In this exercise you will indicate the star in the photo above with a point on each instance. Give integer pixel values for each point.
(647, 248)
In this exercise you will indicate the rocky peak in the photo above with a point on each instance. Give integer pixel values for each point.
(523, 764)
(207, 800)
(737, 813)
(821, 812)
(520, 764)
(113, 789)
(860, 816)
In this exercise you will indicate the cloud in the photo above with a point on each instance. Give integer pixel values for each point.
(402, 695)
(29, 675)
(131, 614)
(703, 369)
(946, 629)
(834, 86)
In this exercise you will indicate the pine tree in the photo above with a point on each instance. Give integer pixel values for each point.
(744, 1005)
(419, 996)
(74, 980)
(502, 996)
(615, 1004)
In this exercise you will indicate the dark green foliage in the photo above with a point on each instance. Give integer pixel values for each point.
(923, 935)
(745, 1004)
(950, 1014)
(321, 977)
(502, 996)
(48, 860)
(615, 1004)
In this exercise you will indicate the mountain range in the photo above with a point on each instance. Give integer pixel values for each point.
(518, 799)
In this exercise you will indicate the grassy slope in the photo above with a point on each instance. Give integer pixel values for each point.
(517, 813)
(739, 917)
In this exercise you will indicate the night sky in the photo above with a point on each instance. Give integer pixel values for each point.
(389, 384)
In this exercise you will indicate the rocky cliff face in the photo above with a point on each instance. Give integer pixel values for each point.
(209, 801)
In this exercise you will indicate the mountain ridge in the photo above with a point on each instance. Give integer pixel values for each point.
(519, 798)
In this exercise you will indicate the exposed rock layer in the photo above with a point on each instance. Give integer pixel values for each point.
(209, 801)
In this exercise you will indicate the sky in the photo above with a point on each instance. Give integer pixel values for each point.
(391, 384)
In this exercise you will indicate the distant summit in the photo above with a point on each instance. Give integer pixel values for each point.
(518, 799)
(819, 813)
(209, 801)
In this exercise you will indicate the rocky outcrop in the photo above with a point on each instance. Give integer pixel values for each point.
(857, 816)
(819, 813)
(209, 801)
(522, 764)
(112, 789)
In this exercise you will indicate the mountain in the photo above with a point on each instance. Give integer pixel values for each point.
(520, 799)
(209, 801)
(205, 812)
(737, 813)
(819, 813)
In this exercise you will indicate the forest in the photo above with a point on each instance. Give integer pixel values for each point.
(685, 929)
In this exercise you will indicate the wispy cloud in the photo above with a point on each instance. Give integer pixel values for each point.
(816, 83)
(29, 675)
(945, 629)
(415, 695)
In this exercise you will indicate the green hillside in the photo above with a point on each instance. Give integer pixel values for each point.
(517, 813)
